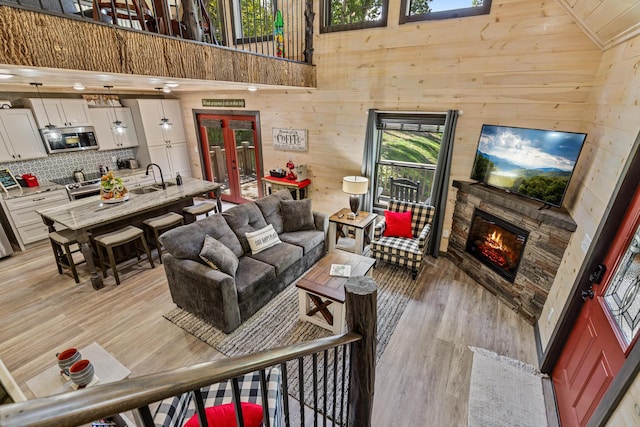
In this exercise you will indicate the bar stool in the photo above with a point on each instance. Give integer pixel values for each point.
(118, 238)
(160, 224)
(61, 242)
(202, 208)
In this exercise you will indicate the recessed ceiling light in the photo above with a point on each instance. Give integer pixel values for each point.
(6, 76)
(252, 88)
(173, 84)
(78, 86)
(166, 89)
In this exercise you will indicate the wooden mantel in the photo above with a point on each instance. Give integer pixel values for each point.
(33, 39)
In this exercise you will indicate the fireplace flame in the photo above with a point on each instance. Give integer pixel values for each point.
(495, 241)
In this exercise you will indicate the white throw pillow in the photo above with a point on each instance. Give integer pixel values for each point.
(262, 239)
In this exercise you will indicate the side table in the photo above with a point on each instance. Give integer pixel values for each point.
(300, 187)
(363, 225)
(107, 368)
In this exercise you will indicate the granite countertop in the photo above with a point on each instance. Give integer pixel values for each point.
(91, 211)
(30, 191)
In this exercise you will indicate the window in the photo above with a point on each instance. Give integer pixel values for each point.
(408, 157)
(408, 148)
(423, 10)
(253, 20)
(343, 15)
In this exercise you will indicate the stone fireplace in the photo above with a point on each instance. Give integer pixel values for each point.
(509, 245)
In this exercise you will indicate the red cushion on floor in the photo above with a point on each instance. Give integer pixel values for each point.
(225, 416)
(398, 224)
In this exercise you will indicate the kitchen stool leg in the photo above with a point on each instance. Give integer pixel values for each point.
(101, 261)
(146, 249)
(112, 261)
(57, 254)
(72, 265)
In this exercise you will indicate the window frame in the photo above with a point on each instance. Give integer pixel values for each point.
(325, 13)
(485, 9)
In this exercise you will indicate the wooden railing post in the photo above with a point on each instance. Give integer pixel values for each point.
(361, 300)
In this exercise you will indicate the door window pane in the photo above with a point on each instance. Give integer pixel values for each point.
(622, 297)
(246, 158)
(218, 157)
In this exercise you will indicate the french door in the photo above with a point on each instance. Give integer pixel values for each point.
(231, 154)
(606, 329)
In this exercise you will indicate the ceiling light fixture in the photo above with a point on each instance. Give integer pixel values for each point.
(78, 86)
(252, 88)
(172, 84)
(166, 89)
(50, 131)
(118, 128)
(6, 76)
(164, 122)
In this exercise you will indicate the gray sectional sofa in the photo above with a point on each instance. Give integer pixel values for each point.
(220, 279)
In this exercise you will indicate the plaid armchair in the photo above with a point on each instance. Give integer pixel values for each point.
(404, 251)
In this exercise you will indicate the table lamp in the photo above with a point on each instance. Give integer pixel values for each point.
(355, 185)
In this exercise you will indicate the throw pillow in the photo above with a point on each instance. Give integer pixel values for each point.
(225, 416)
(398, 224)
(218, 256)
(297, 215)
(262, 239)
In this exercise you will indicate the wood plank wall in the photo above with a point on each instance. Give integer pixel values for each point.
(526, 64)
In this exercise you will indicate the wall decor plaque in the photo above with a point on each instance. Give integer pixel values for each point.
(223, 103)
(290, 139)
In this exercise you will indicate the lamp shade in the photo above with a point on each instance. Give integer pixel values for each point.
(355, 184)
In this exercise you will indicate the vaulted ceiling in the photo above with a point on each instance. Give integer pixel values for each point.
(607, 22)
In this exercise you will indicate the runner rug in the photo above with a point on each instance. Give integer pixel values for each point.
(504, 392)
(277, 324)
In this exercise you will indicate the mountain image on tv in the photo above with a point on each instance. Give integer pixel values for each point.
(532, 162)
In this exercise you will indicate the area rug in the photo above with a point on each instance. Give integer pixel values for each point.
(504, 392)
(277, 324)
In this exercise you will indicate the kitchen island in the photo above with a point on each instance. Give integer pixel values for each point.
(93, 216)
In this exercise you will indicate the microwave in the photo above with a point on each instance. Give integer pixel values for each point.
(73, 139)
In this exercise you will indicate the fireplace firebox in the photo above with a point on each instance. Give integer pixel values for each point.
(496, 243)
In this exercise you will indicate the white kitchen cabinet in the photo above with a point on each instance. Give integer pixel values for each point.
(60, 112)
(150, 113)
(26, 223)
(19, 136)
(103, 119)
(172, 159)
(168, 149)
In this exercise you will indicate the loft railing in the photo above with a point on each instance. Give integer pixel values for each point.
(277, 28)
(137, 394)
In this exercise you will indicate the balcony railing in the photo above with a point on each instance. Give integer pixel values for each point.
(355, 374)
(267, 27)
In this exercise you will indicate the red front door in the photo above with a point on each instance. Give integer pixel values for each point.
(606, 329)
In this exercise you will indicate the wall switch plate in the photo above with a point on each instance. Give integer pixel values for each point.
(586, 242)
(114, 159)
(446, 233)
(549, 315)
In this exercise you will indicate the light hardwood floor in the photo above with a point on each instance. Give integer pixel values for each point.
(422, 378)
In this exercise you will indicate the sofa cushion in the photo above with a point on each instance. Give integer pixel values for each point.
(225, 415)
(244, 219)
(280, 256)
(398, 224)
(270, 208)
(252, 276)
(218, 256)
(185, 242)
(307, 239)
(262, 239)
(297, 215)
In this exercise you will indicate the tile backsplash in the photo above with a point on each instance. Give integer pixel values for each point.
(62, 165)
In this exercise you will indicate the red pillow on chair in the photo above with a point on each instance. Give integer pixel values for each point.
(398, 224)
(225, 416)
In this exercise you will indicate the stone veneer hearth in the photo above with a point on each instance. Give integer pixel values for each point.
(549, 234)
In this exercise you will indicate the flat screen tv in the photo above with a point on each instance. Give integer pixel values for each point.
(535, 163)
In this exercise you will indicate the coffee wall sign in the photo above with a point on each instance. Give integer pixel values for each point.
(290, 139)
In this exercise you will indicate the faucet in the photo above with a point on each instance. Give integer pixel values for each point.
(159, 170)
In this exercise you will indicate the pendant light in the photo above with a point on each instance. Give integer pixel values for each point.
(118, 128)
(50, 131)
(164, 122)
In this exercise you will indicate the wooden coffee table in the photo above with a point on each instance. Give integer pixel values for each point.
(321, 296)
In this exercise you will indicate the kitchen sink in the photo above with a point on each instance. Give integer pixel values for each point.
(144, 190)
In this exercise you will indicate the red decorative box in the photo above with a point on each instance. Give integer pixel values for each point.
(30, 180)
